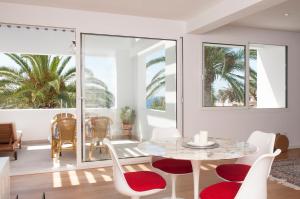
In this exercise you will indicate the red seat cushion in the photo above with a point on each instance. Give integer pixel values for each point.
(144, 180)
(233, 172)
(222, 190)
(173, 166)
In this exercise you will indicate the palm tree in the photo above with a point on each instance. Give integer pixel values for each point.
(96, 92)
(158, 80)
(40, 81)
(230, 94)
(226, 64)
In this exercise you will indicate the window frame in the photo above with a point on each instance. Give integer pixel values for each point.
(247, 71)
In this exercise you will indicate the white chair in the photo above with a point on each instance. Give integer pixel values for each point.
(134, 184)
(238, 171)
(170, 166)
(253, 186)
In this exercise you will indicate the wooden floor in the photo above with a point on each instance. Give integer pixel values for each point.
(97, 183)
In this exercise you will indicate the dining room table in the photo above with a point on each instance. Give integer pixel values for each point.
(179, 148)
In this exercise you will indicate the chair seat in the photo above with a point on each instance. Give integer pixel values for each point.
(173, 166)
(144, 180)
(222, 190)
(233, 172)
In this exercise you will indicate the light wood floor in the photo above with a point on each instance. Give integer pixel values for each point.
(97, 183)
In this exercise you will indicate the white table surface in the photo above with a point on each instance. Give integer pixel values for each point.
(227, 149)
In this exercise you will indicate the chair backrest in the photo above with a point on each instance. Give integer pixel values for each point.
(66, 129)
(265, 143)
(7, 133)
(118, 172)
(100, 126)
(255, 183)
(63, 115)
(161, 134)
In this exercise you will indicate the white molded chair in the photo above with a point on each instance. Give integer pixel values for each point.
(254, 185)
(134, 184)
(238, 171)
(167, 165)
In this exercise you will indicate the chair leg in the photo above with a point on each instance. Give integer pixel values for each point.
(173, 181)
(16, 155)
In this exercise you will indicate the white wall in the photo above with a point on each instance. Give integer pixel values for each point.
(35, 124)
(271, 66)
(237, 123)
(23, 40)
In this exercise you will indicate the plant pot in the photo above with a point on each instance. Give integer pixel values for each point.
(127, 126)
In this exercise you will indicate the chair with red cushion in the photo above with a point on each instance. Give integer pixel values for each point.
(167, 165)
(253, 186)
(238, 171)
(134, 184)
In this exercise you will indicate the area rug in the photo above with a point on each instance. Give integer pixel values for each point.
(287, 172)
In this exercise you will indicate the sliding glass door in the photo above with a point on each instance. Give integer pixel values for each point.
(128, 88)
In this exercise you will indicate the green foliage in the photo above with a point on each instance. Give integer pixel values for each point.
(226, 64)
(96, 92)
(159, 103)
(127, 115)
(157, 82)
(40, 81)
(223, 63)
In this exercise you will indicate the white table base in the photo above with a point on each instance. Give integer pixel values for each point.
(196, 175)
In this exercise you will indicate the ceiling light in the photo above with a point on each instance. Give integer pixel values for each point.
(286, 14)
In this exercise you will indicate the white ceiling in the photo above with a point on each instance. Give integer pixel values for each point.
(273, 18)
(166, 9)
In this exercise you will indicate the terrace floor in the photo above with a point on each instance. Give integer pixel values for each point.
(34, 157)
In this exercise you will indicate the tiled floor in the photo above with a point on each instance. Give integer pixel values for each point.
(35, 157)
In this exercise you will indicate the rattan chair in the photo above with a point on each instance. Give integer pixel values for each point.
(66, 133)
(99, 129)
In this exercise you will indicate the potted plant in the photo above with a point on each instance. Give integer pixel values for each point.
(127, 116)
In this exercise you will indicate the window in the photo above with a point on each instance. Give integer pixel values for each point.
(37, 81)
(155, 81)
(224, 76)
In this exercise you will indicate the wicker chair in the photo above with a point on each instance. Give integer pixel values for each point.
(66, 133)
(9, 140)
(99, 128)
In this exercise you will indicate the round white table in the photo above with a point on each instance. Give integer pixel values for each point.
(226, 149)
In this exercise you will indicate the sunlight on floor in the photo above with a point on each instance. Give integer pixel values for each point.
(38, 147)
(132, 152)
(143, 167)
(129, 168)
(106, 178)
(73, 178)
(212, 165)
(204, 168)
(56, 178)
(90, 177)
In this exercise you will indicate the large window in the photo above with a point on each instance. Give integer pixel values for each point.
(228, 81)
(37, 81)
(224, 75)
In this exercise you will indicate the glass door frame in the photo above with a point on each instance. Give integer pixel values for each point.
(80, 99)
